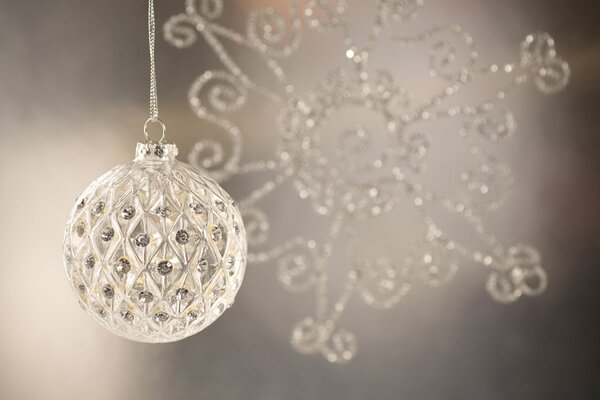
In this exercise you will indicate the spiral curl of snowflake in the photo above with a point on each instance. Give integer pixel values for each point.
(366, 187)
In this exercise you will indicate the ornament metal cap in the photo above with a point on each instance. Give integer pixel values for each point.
(155, 151)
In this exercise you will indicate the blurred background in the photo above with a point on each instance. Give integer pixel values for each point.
(73, 99)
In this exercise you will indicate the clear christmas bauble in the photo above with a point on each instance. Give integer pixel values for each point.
(155, 250)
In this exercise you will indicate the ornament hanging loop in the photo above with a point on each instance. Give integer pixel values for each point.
(163, 128)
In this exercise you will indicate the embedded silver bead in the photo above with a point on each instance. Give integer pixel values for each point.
(216, 233)
(89, 261)
(202, 265)
(161, 317)
(181, 293)
(128, 212)
(127, 315)
(108, 291)
(197, 208)
(81, 204)
(164, 267)
(145, 297)
(220, 205)
(142, 240)
(80, 229)
(123, 266)
(163, 211)
(191, 316)
(107, 234)
(182, 236)
(99, 208)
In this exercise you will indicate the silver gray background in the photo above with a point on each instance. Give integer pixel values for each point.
(73, 97)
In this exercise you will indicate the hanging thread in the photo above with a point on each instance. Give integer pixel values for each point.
(153, 88)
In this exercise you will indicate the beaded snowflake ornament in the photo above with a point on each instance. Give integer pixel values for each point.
(354, 184)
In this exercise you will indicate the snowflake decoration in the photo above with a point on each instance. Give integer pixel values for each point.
(353, 185)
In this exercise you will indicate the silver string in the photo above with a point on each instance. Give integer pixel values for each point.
(151, 42)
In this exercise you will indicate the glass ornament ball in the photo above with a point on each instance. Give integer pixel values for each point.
(154, 250)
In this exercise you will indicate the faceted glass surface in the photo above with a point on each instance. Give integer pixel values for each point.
(155, 250)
